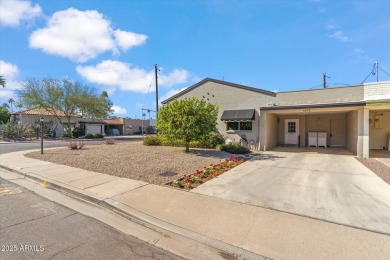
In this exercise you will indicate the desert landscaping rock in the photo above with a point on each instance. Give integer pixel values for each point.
(152, 164)
(379, 168)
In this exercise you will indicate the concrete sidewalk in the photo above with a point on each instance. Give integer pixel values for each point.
(220, 223)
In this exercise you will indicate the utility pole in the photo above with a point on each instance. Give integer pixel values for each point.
(324, 79)
(155, 73)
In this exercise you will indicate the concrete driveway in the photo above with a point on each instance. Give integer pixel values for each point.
(326, 183)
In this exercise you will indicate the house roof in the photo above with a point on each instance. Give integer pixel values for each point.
(238, 115)
(270, 93)
(113, 122)
(41, 111)
(92, 121)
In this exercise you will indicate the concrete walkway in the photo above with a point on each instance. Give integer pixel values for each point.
(256, 231)
(328, 186)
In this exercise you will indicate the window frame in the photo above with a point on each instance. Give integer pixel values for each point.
(239, 125)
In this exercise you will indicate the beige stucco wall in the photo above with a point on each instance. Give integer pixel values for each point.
(352, 130)
(281, 128)
(270, 133)
(231, 98)
(133, 125)
(30, 119)
(379, 136)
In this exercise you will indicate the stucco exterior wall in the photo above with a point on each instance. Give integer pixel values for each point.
(379, 133)
(352, 130)
(133, 125)
(232, 98)
(281, 128)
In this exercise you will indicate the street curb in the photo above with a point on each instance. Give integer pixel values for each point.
(232, 250)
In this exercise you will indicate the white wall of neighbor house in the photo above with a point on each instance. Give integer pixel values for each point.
(31, 119)
(232, 98)
(134, 125)
(94, 129)
(379, 128)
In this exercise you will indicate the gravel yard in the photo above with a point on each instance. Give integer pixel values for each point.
(379, 168)
(152, 164)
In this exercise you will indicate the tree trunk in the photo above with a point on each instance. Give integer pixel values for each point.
(187, 147)
(69, 129)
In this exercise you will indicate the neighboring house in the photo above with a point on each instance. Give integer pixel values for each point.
(355, 117)
(132, 126)
(33, 115)
(112, 124)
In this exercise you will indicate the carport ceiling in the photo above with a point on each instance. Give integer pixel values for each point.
(316, 111)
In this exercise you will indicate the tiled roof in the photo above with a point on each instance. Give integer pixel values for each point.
(40, 111)
(113, 121)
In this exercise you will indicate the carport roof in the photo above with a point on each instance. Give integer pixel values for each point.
(238, 115)
(350, 104)
(113, 122)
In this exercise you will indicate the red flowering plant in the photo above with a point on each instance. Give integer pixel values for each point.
(198, 177)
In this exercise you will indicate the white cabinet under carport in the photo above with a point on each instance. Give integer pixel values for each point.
(317, 139)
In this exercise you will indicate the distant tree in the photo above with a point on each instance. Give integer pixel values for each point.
(62, 98)
(4, 113)
(2, 81)
(11, 101)
(187, 120)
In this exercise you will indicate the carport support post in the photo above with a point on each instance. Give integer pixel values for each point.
(363, 144)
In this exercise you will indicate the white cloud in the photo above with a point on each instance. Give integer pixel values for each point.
(177, 76)
(82, 35)
(339, 35)
(119, 110)
(116, 74)
(9, 72)
(13, 12)
(332, 26)
(126, 40)
(171, 93)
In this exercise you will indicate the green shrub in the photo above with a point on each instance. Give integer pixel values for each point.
(67, 135)
(152, 140)
(234, 148)
(94, 136)
(78, 131)
(211, 140)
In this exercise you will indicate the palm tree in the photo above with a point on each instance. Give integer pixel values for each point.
(2, 81)
(11, 101)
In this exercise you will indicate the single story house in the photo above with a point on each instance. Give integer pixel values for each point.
(354, 117)
(32, 117)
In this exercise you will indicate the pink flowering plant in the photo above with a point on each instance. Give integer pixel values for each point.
(199, 176)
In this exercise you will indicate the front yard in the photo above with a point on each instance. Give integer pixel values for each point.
(152, 164)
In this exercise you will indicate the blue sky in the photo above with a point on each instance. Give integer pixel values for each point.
(113, 45)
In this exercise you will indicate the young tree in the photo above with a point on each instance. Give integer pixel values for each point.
(62, 98)
(4, 114)
(188, 120)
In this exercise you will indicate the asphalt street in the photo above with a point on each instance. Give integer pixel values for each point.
(29, 145)
(33, 227)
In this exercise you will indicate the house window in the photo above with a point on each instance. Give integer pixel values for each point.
(291, 127)
(244, 125)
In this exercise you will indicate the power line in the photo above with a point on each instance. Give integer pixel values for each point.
(384, 71)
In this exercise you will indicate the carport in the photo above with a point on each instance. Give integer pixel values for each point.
(114, 124)
(320, 125)
(379, 125)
